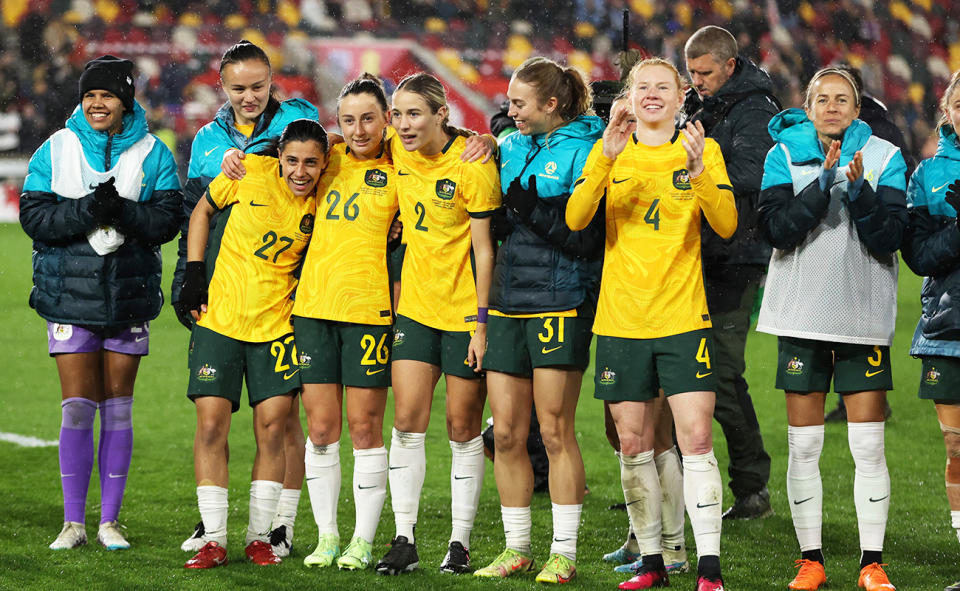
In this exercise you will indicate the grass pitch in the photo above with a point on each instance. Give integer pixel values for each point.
(160, 505)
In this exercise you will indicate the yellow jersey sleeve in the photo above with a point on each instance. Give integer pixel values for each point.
(260, 238)
(589, 189)
(438, 194)
(345, 276)
(715, 192)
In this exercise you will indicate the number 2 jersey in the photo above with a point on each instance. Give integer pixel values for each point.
(345, 275)
(438, 196)
(256, 246)
(652, 284)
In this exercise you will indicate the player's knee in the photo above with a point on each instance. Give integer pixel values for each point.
(212, 433)
(507, 438)
(951, 440)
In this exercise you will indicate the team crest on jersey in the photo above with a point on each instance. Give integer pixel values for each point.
(62, 332)
(207, 373)
(398, 338)
(550, 168)
(304, 360)
(681, 179)
(446, 189)
(608, 377)
(794, 367)
(932, 377)
(375, 178)
(306, 223)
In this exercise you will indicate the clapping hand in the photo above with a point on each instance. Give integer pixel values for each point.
(106, 207)
(520, 200)
(952, 196)
(694, 141)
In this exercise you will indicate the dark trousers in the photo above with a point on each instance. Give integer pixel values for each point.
(730, 295)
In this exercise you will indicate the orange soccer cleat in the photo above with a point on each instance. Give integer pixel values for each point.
(810, 576)
(872, 578)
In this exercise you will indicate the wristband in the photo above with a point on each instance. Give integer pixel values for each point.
(482, 315)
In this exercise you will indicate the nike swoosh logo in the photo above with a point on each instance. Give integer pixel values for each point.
(401, 173)
(703, 375)
(546, 351)
(563, 540)
(313, 478)
(632, 502)
(140, 339)
(375, 371)
(803, 501)
(287, 376)
(699, 506)
(62, 475)
(935, 189)
(618, 181)
(806, 172)
(112, 475)
(870, 374)
(455, 477)
(361, 487)
(257, 204)
(397, 467)
(873, 500)
(210, 151)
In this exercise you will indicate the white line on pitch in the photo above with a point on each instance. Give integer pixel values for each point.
(26, 441)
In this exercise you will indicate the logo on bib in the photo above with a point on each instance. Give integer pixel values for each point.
(306, 223)
(375, 178)
(681, 179)
(446, 189)
(794, 367)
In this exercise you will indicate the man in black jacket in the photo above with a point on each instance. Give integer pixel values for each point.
(733, 99)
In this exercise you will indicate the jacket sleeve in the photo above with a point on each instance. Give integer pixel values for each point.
(881, 216)
(155, 220)
(786, 218)
(751, 142)
(45, 216)
(548, 220)
(931, 243)
(193, 190)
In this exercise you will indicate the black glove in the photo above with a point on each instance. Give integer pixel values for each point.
(520, 200)
(500, 226)
(193, 294)
(106, 207)
(952, 196)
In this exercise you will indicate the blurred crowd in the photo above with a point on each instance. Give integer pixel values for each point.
(906, 49)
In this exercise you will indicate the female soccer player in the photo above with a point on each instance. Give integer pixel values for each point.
(249, 120)
(832, 205)
(543, 299)
(342, 322)
(261, 235)
(99, 199)
(441, 324)
(653, 334)
(932, 248)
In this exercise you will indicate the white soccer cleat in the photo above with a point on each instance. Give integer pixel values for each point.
(111, 538)
(195, 542)
(72, 535)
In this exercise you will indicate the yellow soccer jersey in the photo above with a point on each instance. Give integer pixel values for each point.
(438, 195)
(345, 273)
(260, 238)
(652, 283)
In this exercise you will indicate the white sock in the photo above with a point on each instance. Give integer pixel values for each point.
(213, 505)
(408, 466)
(466, 481)
(566, 522)
(517, 524)
(322, 470)
(287, 508)
(264, 497)
(631, 544)
(871, 482)
(369, 489)
(804, 487)
(671, 486)
(641, 493)
(955, 522)
(702, 494)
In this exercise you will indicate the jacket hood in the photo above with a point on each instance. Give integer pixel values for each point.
(793, 128)
(747, 77)
(586, 128)
(949, 144)
(134, 129)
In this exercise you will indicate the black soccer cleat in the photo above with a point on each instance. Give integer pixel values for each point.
(401, 558)
(457, 560)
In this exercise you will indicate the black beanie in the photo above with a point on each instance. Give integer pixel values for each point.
(109, 73)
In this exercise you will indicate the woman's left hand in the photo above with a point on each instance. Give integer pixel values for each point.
(855, 168)
(477, 347)
(694, 140)
(477, 147)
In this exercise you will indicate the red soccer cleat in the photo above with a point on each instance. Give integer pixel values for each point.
(261, 553)
(705, 584)
(647, 579)
(211, 555)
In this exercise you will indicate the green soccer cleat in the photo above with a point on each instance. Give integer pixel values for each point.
(558, 569)
(357, 556)
(510, 562)
(327, 550)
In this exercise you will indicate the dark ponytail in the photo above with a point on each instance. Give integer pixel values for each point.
(241, 52)
(298, 130)
(367, 83)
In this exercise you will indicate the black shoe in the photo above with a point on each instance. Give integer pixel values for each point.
(457, 560)
(402, 557)
(837, 415)
(752, 506)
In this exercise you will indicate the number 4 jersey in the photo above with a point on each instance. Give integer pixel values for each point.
(345, 275)
(258, 242)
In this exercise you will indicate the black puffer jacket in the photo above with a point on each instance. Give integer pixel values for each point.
(736, 117)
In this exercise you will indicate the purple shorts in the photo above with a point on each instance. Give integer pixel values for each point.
(132, 339)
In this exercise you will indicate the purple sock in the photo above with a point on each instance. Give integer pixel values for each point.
(76, 455)
(116, 447)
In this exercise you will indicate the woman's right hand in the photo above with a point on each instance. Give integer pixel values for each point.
(618, 131)
(833, 154)
(232, 165)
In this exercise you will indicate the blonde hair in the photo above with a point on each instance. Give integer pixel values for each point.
(654, 61)
(432, 92)
(550, 79)
(952, 87)
(831, 72)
